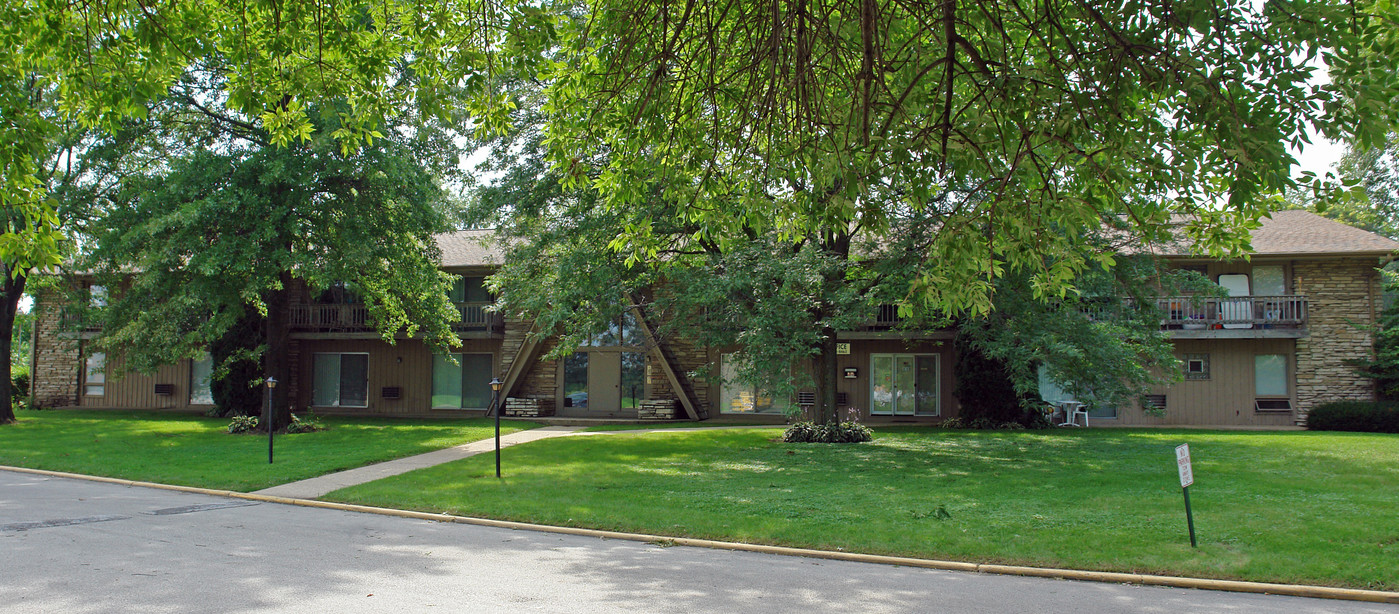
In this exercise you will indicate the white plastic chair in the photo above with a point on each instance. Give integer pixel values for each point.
(1072, 410)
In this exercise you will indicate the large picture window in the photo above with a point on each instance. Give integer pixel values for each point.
(738, 398)
(200, 373)
(340, 380)
(463, 385)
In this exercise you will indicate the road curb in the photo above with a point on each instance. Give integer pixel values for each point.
(1237, 586)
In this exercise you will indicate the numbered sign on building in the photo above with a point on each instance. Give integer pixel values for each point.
(1183, 463)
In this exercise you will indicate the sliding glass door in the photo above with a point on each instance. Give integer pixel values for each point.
(904, 385)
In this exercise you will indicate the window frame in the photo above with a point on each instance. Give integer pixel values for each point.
(731, 389)
(339, 368)
(460, 372)
(1286, 377)
(208, 384)
(95, 374)
(1196, 376)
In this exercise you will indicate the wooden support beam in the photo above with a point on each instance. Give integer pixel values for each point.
(679, 385)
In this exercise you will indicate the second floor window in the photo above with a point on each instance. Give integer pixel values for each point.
(469, 289)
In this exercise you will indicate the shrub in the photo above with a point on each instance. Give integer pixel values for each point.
(243, 424)
(19, 386)
(1363, 416)
(310, 424)
(845, 431)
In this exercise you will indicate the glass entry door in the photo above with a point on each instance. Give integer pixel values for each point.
(904, 385)
(604, 381)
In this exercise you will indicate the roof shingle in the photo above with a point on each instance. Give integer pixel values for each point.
(1298, 232)
(469, 248)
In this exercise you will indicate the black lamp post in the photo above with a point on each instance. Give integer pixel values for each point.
(271, 383)
(496, 385)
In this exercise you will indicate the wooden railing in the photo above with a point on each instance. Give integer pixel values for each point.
(350, 317)
(1185, 312)
(1198, 313)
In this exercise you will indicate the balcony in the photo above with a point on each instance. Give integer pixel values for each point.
(354, 318)
(1241, 316)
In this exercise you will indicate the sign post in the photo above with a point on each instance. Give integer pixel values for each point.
(1187, 477)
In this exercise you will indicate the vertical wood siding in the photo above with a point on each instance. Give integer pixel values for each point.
(1226, 398)
(407, 365)
(137, 391)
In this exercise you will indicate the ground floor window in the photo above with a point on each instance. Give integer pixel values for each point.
(200, 372)
(95, 375)
(738, 398)
(340, 380)
(1270, 375)
(461, 381)
(904, 385)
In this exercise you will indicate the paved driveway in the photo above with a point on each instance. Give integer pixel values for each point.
(75, 546)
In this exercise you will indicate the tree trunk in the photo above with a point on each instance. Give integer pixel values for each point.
(278, 345)
(827, 367)
(13, 287)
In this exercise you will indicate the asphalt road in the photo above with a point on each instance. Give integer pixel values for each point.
(75, 546)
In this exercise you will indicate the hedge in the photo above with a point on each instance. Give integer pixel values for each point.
(1364, 416)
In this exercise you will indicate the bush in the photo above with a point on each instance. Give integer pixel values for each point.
(1363, 416)
(845, 431)
(310, 424)
(243, 424)
(19, 386)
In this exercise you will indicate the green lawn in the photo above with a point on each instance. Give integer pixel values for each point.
(1297, 507)
(681, 424)
(197, 451)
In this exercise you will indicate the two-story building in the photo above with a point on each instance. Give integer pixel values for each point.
(1298, 310)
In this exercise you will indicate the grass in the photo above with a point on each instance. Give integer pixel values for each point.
(1294, 507)
(197, 451)
(686, 424)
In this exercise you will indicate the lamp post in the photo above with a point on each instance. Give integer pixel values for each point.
(496, 385)
(271, 383)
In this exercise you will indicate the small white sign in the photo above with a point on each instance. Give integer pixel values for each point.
(1183, 463)
(842, 349)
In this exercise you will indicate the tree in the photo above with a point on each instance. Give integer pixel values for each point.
(217, 236)
(781, 302)
(1015, 133)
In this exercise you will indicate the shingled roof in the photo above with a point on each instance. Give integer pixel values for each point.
(1300, 233)
(469, 248)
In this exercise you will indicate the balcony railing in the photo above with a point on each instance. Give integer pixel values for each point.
(1184, 313)
(350, 317)
(1199, 313)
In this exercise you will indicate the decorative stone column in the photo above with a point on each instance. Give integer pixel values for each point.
(1343, 298)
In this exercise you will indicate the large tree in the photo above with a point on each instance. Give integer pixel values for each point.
(219, 234)
(1015, 132)
(780, 302)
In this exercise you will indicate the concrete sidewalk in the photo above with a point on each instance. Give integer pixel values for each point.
(313, 488)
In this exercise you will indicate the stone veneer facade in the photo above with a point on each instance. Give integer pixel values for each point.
(1343, 296)
(57, 356)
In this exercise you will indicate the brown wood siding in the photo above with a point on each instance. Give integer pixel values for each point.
(137, 390)
(857, 390)
(1226, 398)
(407, 365)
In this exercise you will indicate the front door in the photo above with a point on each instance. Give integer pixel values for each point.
(904, 385)
(604, 381)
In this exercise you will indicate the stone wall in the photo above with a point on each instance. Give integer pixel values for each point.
(524, 407)
(689, 359)
(540, 380)
(56, 355)
(1342, 302)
